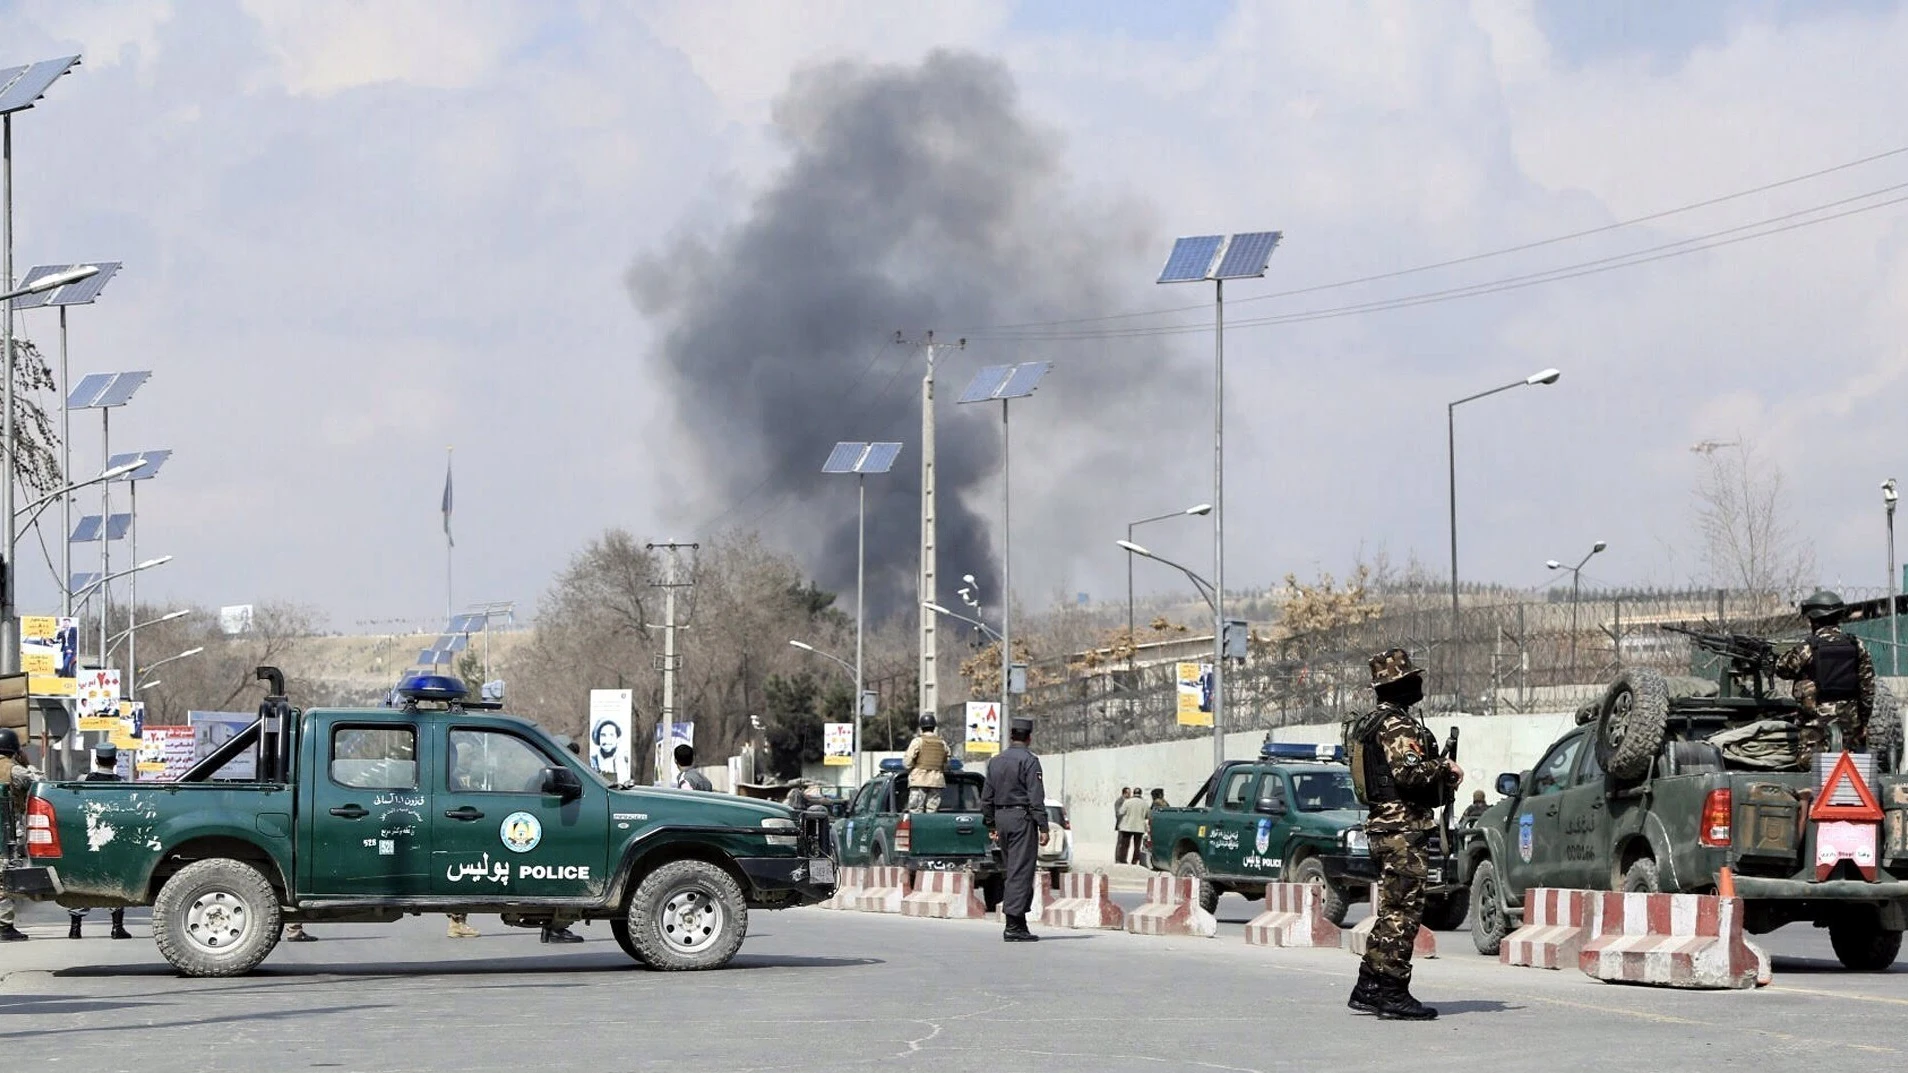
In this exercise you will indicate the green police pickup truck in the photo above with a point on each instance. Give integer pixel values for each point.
(432, 806)
(877, 829)
(1254, 822)
(1802, 843)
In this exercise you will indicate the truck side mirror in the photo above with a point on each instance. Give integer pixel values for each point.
(1272, 806)
(1509, 784)
(562, 783)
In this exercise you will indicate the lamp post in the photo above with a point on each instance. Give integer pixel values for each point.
(860, 459)
(113, 641)
(154, 666)
(1548, 376)
(1132, 637)
(86, 590)
(1889, 496)
(38, 505)
(1576, 577)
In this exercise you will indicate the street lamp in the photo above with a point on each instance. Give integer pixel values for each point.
(39, 504)
(81, 593)
(1206, 590)
(169, 659)
(51, 281)
(846, 666)
(1131, 635)
(1889, 496)
(1218, 258)
(1548, 376)
(113, 641)
(1005, 383)
(860, 459)
(1576, 577)
(974, 622)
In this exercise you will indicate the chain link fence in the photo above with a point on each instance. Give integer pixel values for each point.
(1504, 656)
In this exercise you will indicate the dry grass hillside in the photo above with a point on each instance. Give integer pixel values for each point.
(365, 667)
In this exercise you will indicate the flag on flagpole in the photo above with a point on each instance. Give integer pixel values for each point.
(447, 502)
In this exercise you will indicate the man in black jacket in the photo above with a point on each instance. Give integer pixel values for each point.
(105, 769)
(1014, 803)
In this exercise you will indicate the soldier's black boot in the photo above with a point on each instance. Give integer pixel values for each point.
(11, 934)
(561, 934)
(1396, 1004)
(1017, 931)
(119, 925)
(1364, 997)
(72, 929)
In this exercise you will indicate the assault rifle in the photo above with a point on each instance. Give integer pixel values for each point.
(1750, 658)
(1444, 827)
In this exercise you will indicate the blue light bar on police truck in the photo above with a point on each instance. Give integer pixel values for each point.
(895, 765)
(1296, 751)
(432, 687)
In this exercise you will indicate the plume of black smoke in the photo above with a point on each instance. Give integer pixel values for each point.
(912, 197)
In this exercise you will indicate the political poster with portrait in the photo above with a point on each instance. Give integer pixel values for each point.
(96, 701)
(610, 751)
(210, 732)
(165, 753)
(49, 654)
(1195, 694)
(983, 728)
(838, 744)
(667, 738)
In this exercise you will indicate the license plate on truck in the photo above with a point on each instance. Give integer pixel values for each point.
(821, 870)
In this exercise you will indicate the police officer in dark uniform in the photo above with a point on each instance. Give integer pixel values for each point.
(105, 769)
(1014, 804)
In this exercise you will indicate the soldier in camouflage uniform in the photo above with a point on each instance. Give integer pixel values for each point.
(1833, 675)
(16, 779)
(1404, 781)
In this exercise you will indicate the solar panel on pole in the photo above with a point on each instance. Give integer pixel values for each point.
(844, 457)
(1191, 258)
(20, 87)
(117, 525)
(1247, 255)
(90, 387)
(879, 459)
(122, 388)
(150, 464)
(1025, 378)
(85, 531)
(81, 292)
(82, 580)
(986, 383)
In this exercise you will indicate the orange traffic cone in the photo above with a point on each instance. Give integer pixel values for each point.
(1725, 883)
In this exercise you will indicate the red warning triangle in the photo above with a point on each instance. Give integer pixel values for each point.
(1844, 773)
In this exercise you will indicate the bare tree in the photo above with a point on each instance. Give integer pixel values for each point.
(1742, 517)
(223, 677)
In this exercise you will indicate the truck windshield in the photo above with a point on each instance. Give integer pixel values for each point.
(1323, 791)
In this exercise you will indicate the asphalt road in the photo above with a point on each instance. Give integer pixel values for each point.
(814, 990)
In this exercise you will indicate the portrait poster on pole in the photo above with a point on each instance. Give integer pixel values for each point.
(49, 649)
(838, 744)
(667, 738)
(609, 749)
(96, 702)
(1195, 694)
(983, 728)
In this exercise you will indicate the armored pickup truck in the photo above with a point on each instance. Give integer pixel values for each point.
(432, 805)
(1807, 837)
(878, 830)
(1259, 821)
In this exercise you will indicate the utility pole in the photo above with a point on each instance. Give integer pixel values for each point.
(672, 580)
(927, 588)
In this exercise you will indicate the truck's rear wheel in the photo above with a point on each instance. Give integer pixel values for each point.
(1635, 718)
(1331, 897)
(1642, 877)
(1489, 922)
(687, 915)
(1862, 944)
(216, 918)
(1193, 866)
(1446, 911)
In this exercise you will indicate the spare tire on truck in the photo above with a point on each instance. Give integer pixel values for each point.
(1635, 718)
(1884, 729)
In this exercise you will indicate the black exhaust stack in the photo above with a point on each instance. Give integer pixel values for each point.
(274, 726)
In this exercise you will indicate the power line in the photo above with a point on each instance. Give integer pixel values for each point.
(1471, 258)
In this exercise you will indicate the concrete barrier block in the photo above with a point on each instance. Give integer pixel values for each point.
(1671, 940)
(1294, 917)
(1081, 901)
(1172, 908)
(944, 896)
(882, 890)
(1358, 937)
(1556, 923)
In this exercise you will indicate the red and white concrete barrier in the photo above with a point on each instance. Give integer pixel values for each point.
(1556, 923)
(876, 890)
(1080, 901)
(849, 883)
(1357, 937)
(1671, 940)
(1294, 916)
(1172, 908)
(944, 896)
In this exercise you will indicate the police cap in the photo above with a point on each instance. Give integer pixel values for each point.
(1020, 725)
(106, 750)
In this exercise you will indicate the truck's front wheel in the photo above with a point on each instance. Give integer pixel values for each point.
(216, 918)
(687, 915)
(1489, 922)
(1331, 897)
(1862, 944)
(1193, 866)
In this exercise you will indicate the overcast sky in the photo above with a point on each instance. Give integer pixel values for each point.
(358, 233)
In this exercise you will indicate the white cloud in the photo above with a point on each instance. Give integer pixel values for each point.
(325, 48)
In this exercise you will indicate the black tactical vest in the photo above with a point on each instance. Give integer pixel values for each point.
(1837, 667)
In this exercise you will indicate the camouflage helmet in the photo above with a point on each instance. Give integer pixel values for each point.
(1392, 665)
(1823, 604)
(927, 720)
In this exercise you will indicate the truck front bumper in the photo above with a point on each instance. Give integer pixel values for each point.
(31, 883)
(1357, 869)
(1752, 887)
(811, 879)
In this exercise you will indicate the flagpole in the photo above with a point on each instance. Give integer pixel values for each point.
(449, 543)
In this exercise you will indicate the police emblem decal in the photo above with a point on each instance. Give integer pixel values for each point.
(1525, 824)
(1263, 838)
(521, 832)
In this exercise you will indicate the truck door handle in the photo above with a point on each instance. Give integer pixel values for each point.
(351, 812)
(1551, 811)
(465, 813)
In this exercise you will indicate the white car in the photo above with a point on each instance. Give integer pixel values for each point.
(1056, 848)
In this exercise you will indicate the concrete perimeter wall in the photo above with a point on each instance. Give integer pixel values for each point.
(1089, 781)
